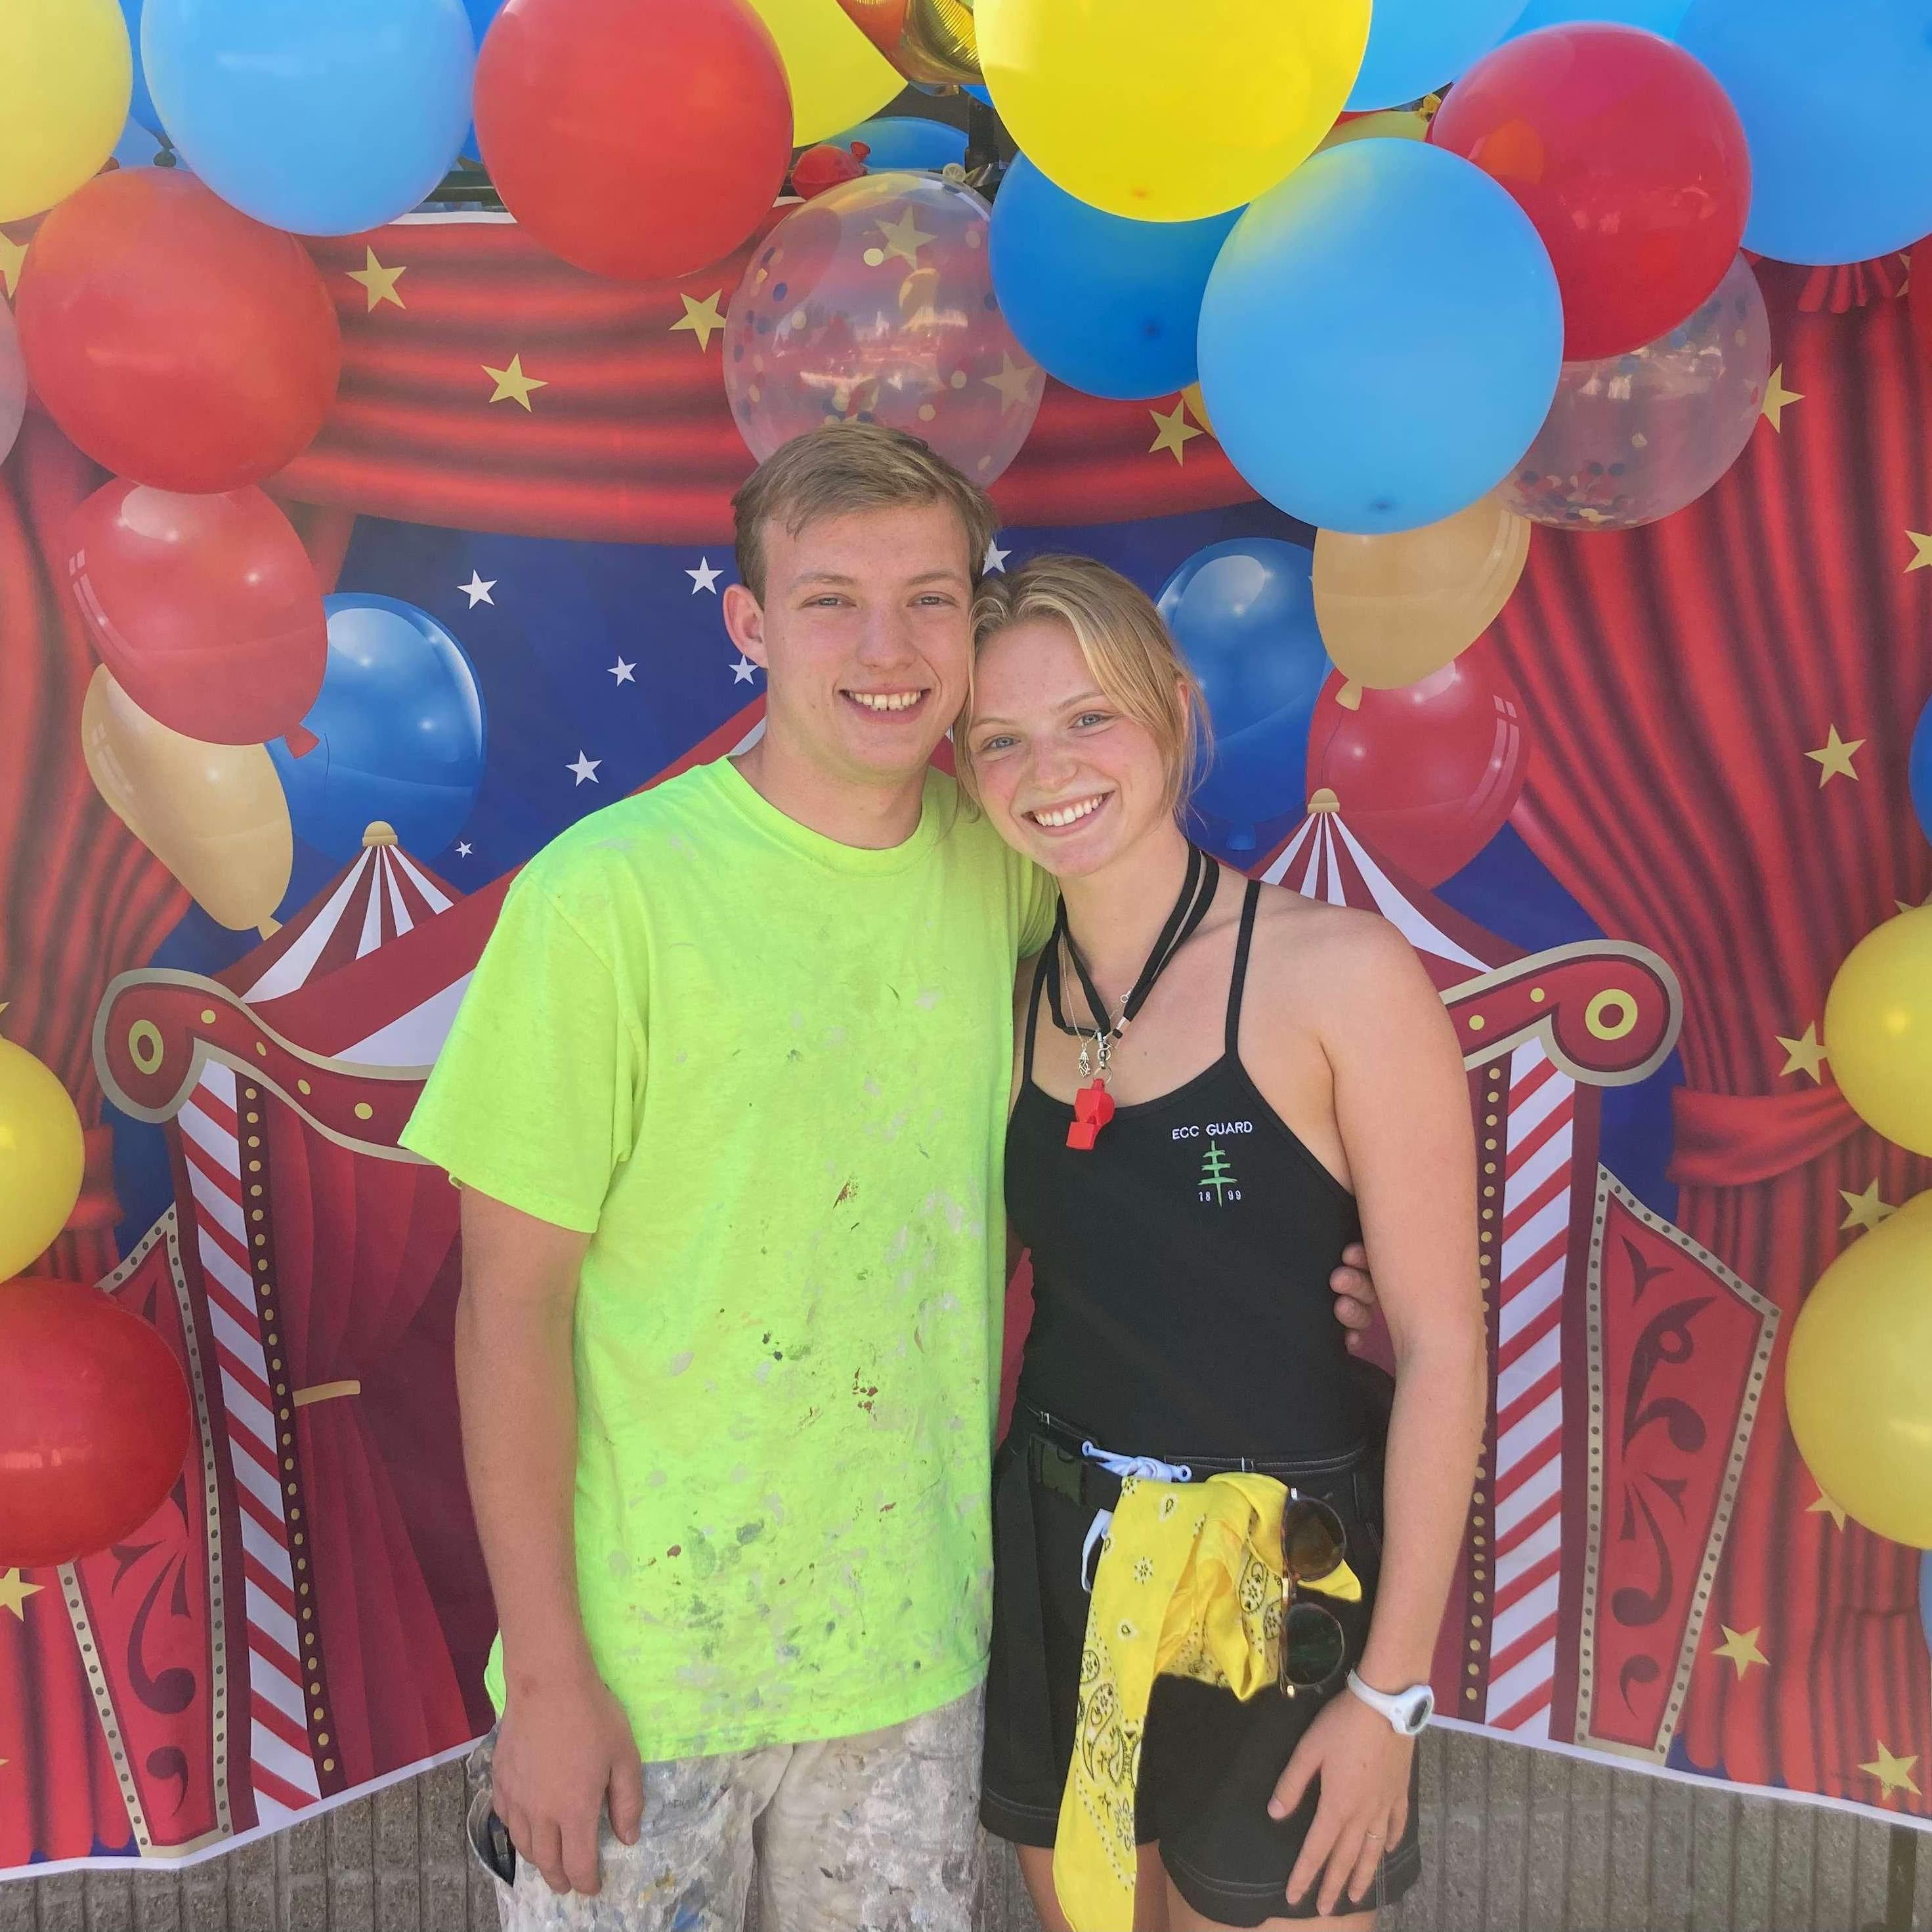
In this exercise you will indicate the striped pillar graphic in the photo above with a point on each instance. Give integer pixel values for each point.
(1528, 1460)
(224, 1164)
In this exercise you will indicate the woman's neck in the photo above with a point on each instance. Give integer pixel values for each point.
(1116, 914)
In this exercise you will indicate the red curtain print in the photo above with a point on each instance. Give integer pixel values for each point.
(1676, 679)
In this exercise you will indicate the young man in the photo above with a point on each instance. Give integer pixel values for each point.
(726, 1099)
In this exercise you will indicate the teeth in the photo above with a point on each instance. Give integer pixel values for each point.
(886, 701)
(1067, 814)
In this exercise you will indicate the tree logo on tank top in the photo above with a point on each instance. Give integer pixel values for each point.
(1217, 1183)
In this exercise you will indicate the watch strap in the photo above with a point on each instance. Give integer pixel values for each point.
(1408, 1711)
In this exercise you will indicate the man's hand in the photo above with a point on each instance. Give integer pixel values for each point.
(562, 1754)
(1355, 1306)
(1363, 1806)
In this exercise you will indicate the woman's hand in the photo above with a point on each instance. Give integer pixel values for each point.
(1363, 1805)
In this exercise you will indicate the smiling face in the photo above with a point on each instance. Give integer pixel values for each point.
(864, 636)
(1065, 775)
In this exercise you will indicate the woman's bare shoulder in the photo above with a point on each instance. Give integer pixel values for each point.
(1332, 955)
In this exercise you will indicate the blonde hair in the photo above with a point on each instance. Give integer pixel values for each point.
(841, 467)
(1129, 651)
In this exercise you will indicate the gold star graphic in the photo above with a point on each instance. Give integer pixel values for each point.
(1807, 1053)
(1013, 383)
(379, 282)
(512, 384)
(1834, 758)
(701, 318)
(12, 254)
(1865, 1211)
(1197, 405)
(1740, 1648)
(14, 1591)
(1894, 1773)
(1921, 547)
(904, 238)
(1902, 905)
(1777, 398)
(1825, 1506)
(1172, 431)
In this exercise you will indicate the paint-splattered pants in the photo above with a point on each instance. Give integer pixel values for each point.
(878, 1833)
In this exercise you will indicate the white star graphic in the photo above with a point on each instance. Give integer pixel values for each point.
(585, 768)
(996, 558)
(621, 671)
(477, 590)
(741, 671)
(704, 577)
(463, 848)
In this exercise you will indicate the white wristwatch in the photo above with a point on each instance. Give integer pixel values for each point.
(1407, 1711)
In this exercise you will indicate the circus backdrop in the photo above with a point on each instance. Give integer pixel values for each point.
(1632, 832)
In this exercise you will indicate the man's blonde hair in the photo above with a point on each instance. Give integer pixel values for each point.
(1128, 650)
(841, 467)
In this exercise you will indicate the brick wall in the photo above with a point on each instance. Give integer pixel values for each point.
(1514, 1841)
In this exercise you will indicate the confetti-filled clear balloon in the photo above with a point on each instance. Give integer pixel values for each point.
(1632, 438)
(873, 303)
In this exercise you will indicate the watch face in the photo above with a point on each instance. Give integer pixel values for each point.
(1420, 1711)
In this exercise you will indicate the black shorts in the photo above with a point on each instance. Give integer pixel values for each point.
(1208, 1761)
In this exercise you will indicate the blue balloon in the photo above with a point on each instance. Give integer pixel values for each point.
(895, 141)
(400, 720)
(1919, 771)
(1656, 17)
(1380, 337)
(323, 119)
(1417, 46)
(141, 107)
(1833, 102)
(1242, 613)
(1108, 305)
(481, 13)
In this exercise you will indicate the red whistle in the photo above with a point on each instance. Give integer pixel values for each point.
(1092, 1109)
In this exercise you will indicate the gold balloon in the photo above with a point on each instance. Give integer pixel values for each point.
(932, 42)
(1393, 609)
(1387, 123)
(1878, 1029)
(42, 1158)
(1858, 1381)
(214, 815)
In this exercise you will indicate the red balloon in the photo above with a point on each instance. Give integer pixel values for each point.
(637, 138)
(176, 341)
(206, 609)
(1630, 159)
(93, 1422)
(1426, 774)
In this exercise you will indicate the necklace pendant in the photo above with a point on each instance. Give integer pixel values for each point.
(1092, 1109)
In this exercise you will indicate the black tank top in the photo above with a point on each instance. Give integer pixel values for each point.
(1181, 1267)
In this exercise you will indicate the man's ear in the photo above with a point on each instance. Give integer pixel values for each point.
(744, 623)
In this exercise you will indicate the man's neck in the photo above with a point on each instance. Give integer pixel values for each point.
(872, 817)
(1116, 914)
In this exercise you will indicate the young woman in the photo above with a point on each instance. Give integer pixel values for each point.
(1283, 1081)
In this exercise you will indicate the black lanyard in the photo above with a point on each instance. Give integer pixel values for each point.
(1190, 908)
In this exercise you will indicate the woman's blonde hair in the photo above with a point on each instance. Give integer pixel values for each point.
(1128, 649)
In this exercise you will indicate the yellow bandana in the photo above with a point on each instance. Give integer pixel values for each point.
(1188, 1585)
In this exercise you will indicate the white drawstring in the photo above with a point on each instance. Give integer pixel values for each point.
(1149, 1468)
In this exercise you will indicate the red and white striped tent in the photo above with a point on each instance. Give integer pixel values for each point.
(1579, 1602)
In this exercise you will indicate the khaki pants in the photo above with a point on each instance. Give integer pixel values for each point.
(878, 1833)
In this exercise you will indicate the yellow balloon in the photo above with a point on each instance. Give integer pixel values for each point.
(837, 76)
(214, 815)
(1392, 609)
(66, 74)
(1878, 1029)
(1168, 110)
(41, 1159)
(1858, 1381)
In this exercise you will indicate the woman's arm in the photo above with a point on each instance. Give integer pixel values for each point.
(1402, 1108)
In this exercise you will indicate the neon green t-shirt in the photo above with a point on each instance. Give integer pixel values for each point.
(768, 1073)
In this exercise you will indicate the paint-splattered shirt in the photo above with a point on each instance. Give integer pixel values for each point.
(768, 1074)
